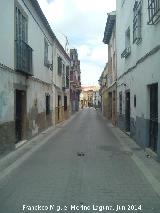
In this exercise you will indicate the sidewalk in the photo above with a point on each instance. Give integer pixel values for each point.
(13, 159)
(146, 163)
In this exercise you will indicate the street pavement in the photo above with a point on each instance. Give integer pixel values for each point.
(85, 167)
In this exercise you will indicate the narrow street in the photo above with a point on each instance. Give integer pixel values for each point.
(80, 169)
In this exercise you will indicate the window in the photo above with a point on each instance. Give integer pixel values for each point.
(45, 52)
(122, 2)
(127, 38)
(153, 11)
(63, 77)
(137, 22)
(127, 50)
(59, 65)
(23, 50)
(67, 77)
(63, 68)
(120, 103)
(47, 104)
(21, 26)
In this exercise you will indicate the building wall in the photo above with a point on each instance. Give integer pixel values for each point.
(96, 99)
(124, 20)
(7, 33)
(75, 81)
(137, 71)
(112, 72)
(37, 33)
(37, 119)
(58, 84)
(112, 78)
(105, 103)
(36, 87)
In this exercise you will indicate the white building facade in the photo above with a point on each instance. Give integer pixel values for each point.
(96, 99)
(138, 71)
(28, 70)
(61, 83)
(110, 39)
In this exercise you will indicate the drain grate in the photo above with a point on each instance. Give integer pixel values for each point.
(80, 154)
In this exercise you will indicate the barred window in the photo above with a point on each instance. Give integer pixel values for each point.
(137, 10)
(47, 104)
(67, 76)
(59, 65)
(21, 26)
(127, 38)
(122, 3)
(153, 11)
(45, 52)
(127, 50)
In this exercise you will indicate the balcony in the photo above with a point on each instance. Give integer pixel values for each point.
(126, 52)
(23, 58)
(153, 11)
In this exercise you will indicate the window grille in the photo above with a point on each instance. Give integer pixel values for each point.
(127, 49)
(23, 50)
(59, 65)
(137, 21)
(153, 11)
(67, 77)
(63, 78)
(45, 52)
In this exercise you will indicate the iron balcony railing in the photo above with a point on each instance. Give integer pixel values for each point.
(23, 57)
(153, 11)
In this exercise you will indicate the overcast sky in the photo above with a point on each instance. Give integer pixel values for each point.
(83, 23)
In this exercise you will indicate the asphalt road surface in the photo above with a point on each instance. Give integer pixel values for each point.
(83, 168)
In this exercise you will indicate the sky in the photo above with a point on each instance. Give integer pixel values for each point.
(83, 23)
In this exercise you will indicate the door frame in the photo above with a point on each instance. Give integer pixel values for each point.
(22, 135)
(153, 121)
(127, 112)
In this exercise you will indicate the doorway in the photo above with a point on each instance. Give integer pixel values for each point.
(127, 111)
(153, 134)
(59, 106)
(65, 103)
(20, 114)
(110, 105)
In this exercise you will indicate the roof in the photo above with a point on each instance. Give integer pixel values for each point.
(109, 27)
(38, 9)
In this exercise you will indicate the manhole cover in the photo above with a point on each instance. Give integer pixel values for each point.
(80, 154)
